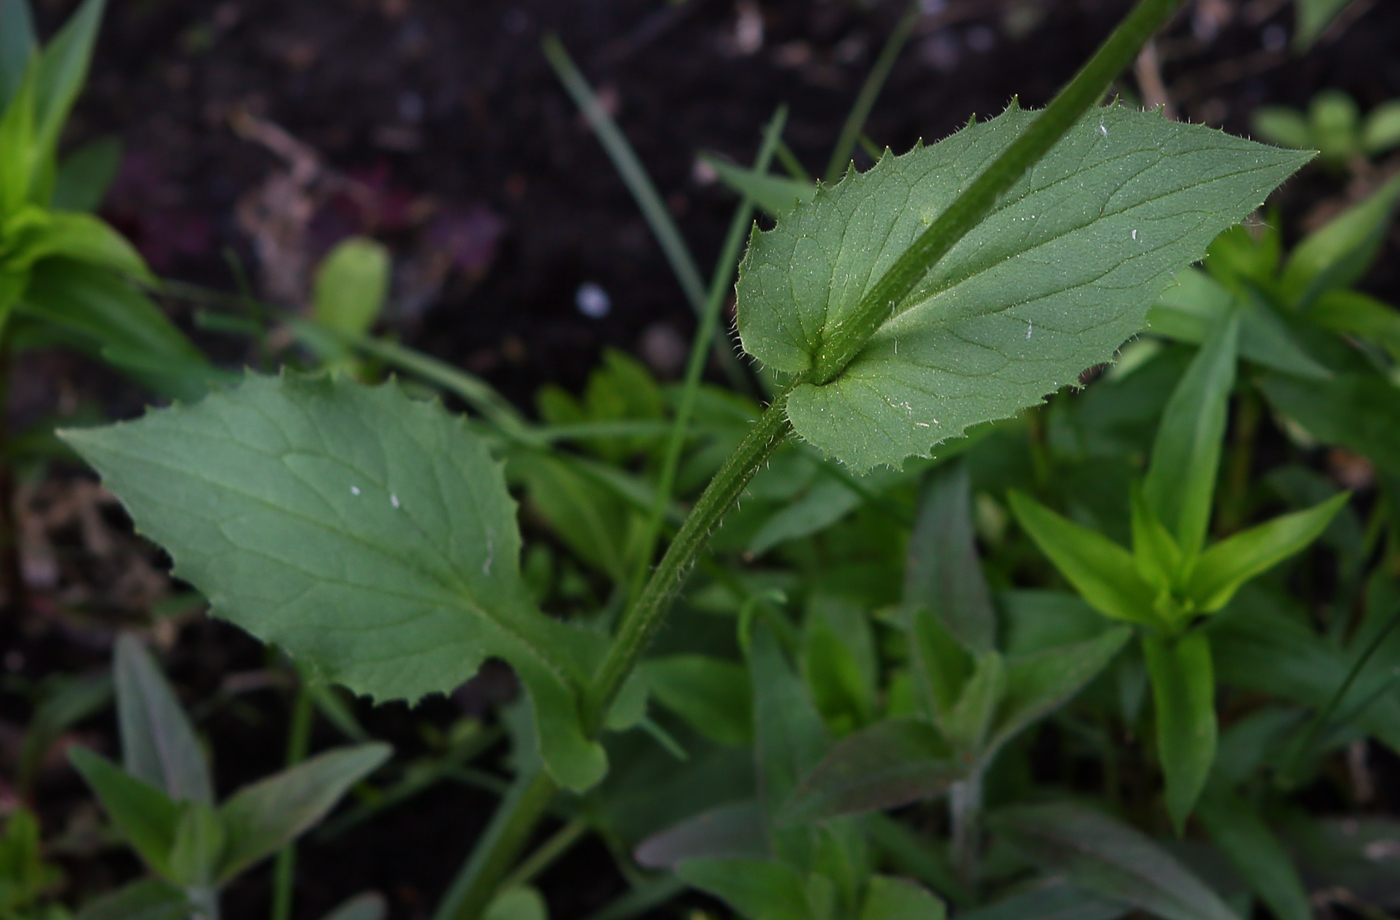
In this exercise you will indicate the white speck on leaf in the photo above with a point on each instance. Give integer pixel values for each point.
(394, 500)
(922, 424)
(354, 490)
(1030, 327)
(1134, 234)
(1103, 130)
(490, 550)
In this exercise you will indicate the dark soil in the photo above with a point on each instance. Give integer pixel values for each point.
(438, 127)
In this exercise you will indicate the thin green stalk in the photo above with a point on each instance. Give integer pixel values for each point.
(969, 208)
(298, 742)
(509, 830)
(791, 163)
(965, 815)
(635, 177)
(709, 322)
(1286, 777)
(546, 854)
(874, 82)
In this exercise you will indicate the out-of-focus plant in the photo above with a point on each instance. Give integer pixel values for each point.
(1334, 127)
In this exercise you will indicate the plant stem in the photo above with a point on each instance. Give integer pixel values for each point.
(510, 828)
(699, 349)
(969, 208)
(870, 91)
(965, 814)
(640, 622)
(546, 854)
(298, 742)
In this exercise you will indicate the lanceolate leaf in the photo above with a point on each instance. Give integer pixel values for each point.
(1237, 828)
(142, 812)
(1183, 690)
(363, 531)
(1055, 279)
(1100, 854)
(941, 571)
(159, 746)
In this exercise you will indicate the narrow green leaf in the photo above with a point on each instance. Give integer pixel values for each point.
(1233, 561)
(1311, 19)
(159, 746)
(1122, 203)
(77, 236)
(1357, 411)
(1358, 314)
(891, 898)
(1183, 691)
(261, 818)
(1052, 900)
(17, 45)
(1158, 555)
(776, 195)
(1338, 254)
(941, 570)
(1236, 827)
(758, 890)
(1281, 125)
(1104, 572)
(596, 523)
(63, 67)
(1103, 855)
(1040, 683)
(85, 175)
(17, 139)
(367, 533)
(351, 284)
(1180, 483)
(712, 695)
(146, 899)
(736, 830)
(828, 501)
(790, 737)
(115, 321)
(144, 814)
(941, 666)
(838, 661)
(1382, 129)
(891, 763)
(199, 843)
(967, 725)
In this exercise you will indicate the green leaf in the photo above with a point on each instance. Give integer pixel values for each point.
(597, 524)
(1183, 691)
(1038, 684)
(891, 898)
(144, 814)
(1055, 900)
(367, 533)
(1357, 411)
(63, 67)
(891, 763)
(777, 195)
(942, 572)
(729, 831)
(1281, 125)
(523, 902)
(1235, 560)
(1103, 572)
(1339, 253)
(790, 736)
(838, 662)
(1180, 483)
(971, 718)
(77, 236)
(146, 899)
(1055, 279)
(259, 819)
(1241, 834)
(1382, 129)
(351, 284)
(828, 501)
(199, 843)
(159, 746)
(117, 322)
(757, 889)
(1232, 562)
(17, 45)
(85, 175)
(941, 666)
(1311, 18)
(1358, 314)
(713, 696)
(1103, 855)
(1155, 550)
(17, 139)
